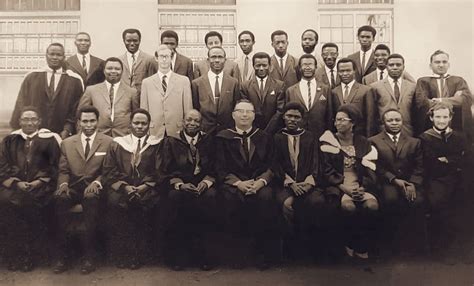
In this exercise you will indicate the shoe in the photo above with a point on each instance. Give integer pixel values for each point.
(206, 266)
(87, 267)
(60, 267)
(177, 267)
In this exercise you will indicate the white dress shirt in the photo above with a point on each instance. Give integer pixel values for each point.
(259, 81)
(88, 60)
(385, 73)
(250, 65)
(438, 81)
(130, 60)
(57, 76)
(304, 91)
(116, 87)
(391, 136)
(212, 81)
(349, 85)
(392, 84)
(328, 73)
(167, 79)
(135, 142)
(367, 57)
(284, 60)
(173, 61)
(84, 142)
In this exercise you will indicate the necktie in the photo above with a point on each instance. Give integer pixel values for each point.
(442, 83)
(132, 69)
(111, 95)
(346, 93)
(443, 135)
(136, 155)
(29, 154)
(164, 85)
(171, 66)
(281, 65)
(261, 88)
(396, 90)
(381, 75)
(27, 144)
(395, 141)
(246, 67)
(52, 82)
(88, 147)
(84, 65)
(193, 148)
(333, 81)
(217, 92)
(363, 63)
(245, 145)
(310, 102)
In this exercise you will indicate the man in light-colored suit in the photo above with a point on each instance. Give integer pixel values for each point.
(137, 64)
(246, 42)
(167, 96)
(266, 94)
(114, 100)
(179, 64)
(381, 53)
(80, 182)
(284, 66)
(327, 74)
(215, 94)
(83, 63)
(396, 93)
(313, 95)
(364, 58)
(214, 39)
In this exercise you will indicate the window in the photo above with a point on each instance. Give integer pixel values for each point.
(40, 5)
(355, 1)
(198, 2)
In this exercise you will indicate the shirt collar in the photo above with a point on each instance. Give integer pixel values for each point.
(448, 130)
(135, 140)
(440, 76)
(92, 137)
(367, 53)
(349, 84)
(25, 136)
(80, 56)
(240, 131)
(137, 53)
(50, 70)
(160, 74)
(264, 79)
(284, 57)
(108, 84)
(250, 55)
(391, 135)
(212, 75)
(328, 70)
(392, 81)
(188, 138)
(312, 81)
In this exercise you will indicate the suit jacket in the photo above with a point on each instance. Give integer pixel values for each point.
(269, 105)
(319, 117)
(75, 168)
(215, 117)
(58, 110)
(369, 66)
(145, 66)
(95, 74)
(360, 96)
(457, 93)
(230, 68)
(126, 101)
(412, 106)
(184, 66)
(322, 77)
(231, 163)
(241, 64)
(372, 77)
(167, 109)
(403, 161)
(290, 75)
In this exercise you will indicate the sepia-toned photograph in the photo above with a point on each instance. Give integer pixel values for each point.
(236, 142)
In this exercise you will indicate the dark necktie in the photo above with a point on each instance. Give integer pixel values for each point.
(261, 88)
(333, 81)
(88, 147)
(310, 101)
(281, 65)
(52, 82)
(381, 75)
(245, 145)
(84, 65)
(395, 139)
(111, 96)
(363, 63)
(346, 93)
(443, 135)
(246, 68)
(132, 69)
(164, 85)
(442, 84)
(396, 90)
(136, 155)
(27, 144)
(217, 92)
(171, 66)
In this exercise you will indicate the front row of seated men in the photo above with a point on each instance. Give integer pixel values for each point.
(140, 183)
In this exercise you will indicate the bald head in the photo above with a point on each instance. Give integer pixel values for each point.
(192, 122)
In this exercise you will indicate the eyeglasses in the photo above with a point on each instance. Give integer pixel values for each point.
(244, 111)
(33, 120)
(342, 119)
(329, 54)
(164, 57)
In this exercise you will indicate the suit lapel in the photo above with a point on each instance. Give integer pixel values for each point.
(120, 93)
(268, 86)
(78, 66)
(95, 146)
(389, 142)
(389, 89)
(125, 62)
(401, 144)
(60, 85)
(93, 65)
(359, 64)
(289, 61)
(46, 87)
(353, 92)
(139, 60)
(177, 63)
(225, 88)
(276, 65)
(78, 145)
(300, 97)
(317, 95)
(105, 93)
(208, 90)
(403, 91)
(339, 94)
(370, 62)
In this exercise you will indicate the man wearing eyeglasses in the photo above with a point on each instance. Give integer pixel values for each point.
(215, 93)
(167, 96)
(243, 160)
(327, 73)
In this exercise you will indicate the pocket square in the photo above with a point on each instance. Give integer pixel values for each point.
(99, 154)
(273, 92)
(322, 97)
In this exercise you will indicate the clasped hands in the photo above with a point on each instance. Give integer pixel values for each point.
(136, 192)
(300, 188)
(93, 189)
(407, 187)
(250, 187)
(196, 190)
(29, 186)
(356, 194)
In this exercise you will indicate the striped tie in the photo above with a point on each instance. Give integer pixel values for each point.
(164, 85)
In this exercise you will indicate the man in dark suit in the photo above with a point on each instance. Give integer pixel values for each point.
(114, 100)
(364, 58)
(309, 41)
(244, 61)
(397, 93)
(214, 39)
(28, 169)
(284, 67)
(313, 95)
(187, 166)
(381, 54)
(180, 64)
(327, 74)
(55, 92)
(137, 64)
(90, 68)
(266, 94)
(400, 174)
(244, 155)
(129, 172)
(79, 182)
(352, 92)
(215, 93)
(448, 88)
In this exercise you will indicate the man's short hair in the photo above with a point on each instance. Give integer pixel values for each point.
(330, 45)
(213, 48)
(352, 111)
(307, 56)
(30, 108)
(169, 34)
(278, 33)
(55, 45)
(113, 59)
(438, 52)
(261, 55)
(347, 60)
(212, 34)
(243, 101)
(162, 47)
(316, 36)
(87, 109)
(382, 47)
(246, 32)
(83, 33)
(367, 28)
(294, 106)
(390, 110)
(396, 56)
(141, 111)
(441, 105)
(131, 31)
